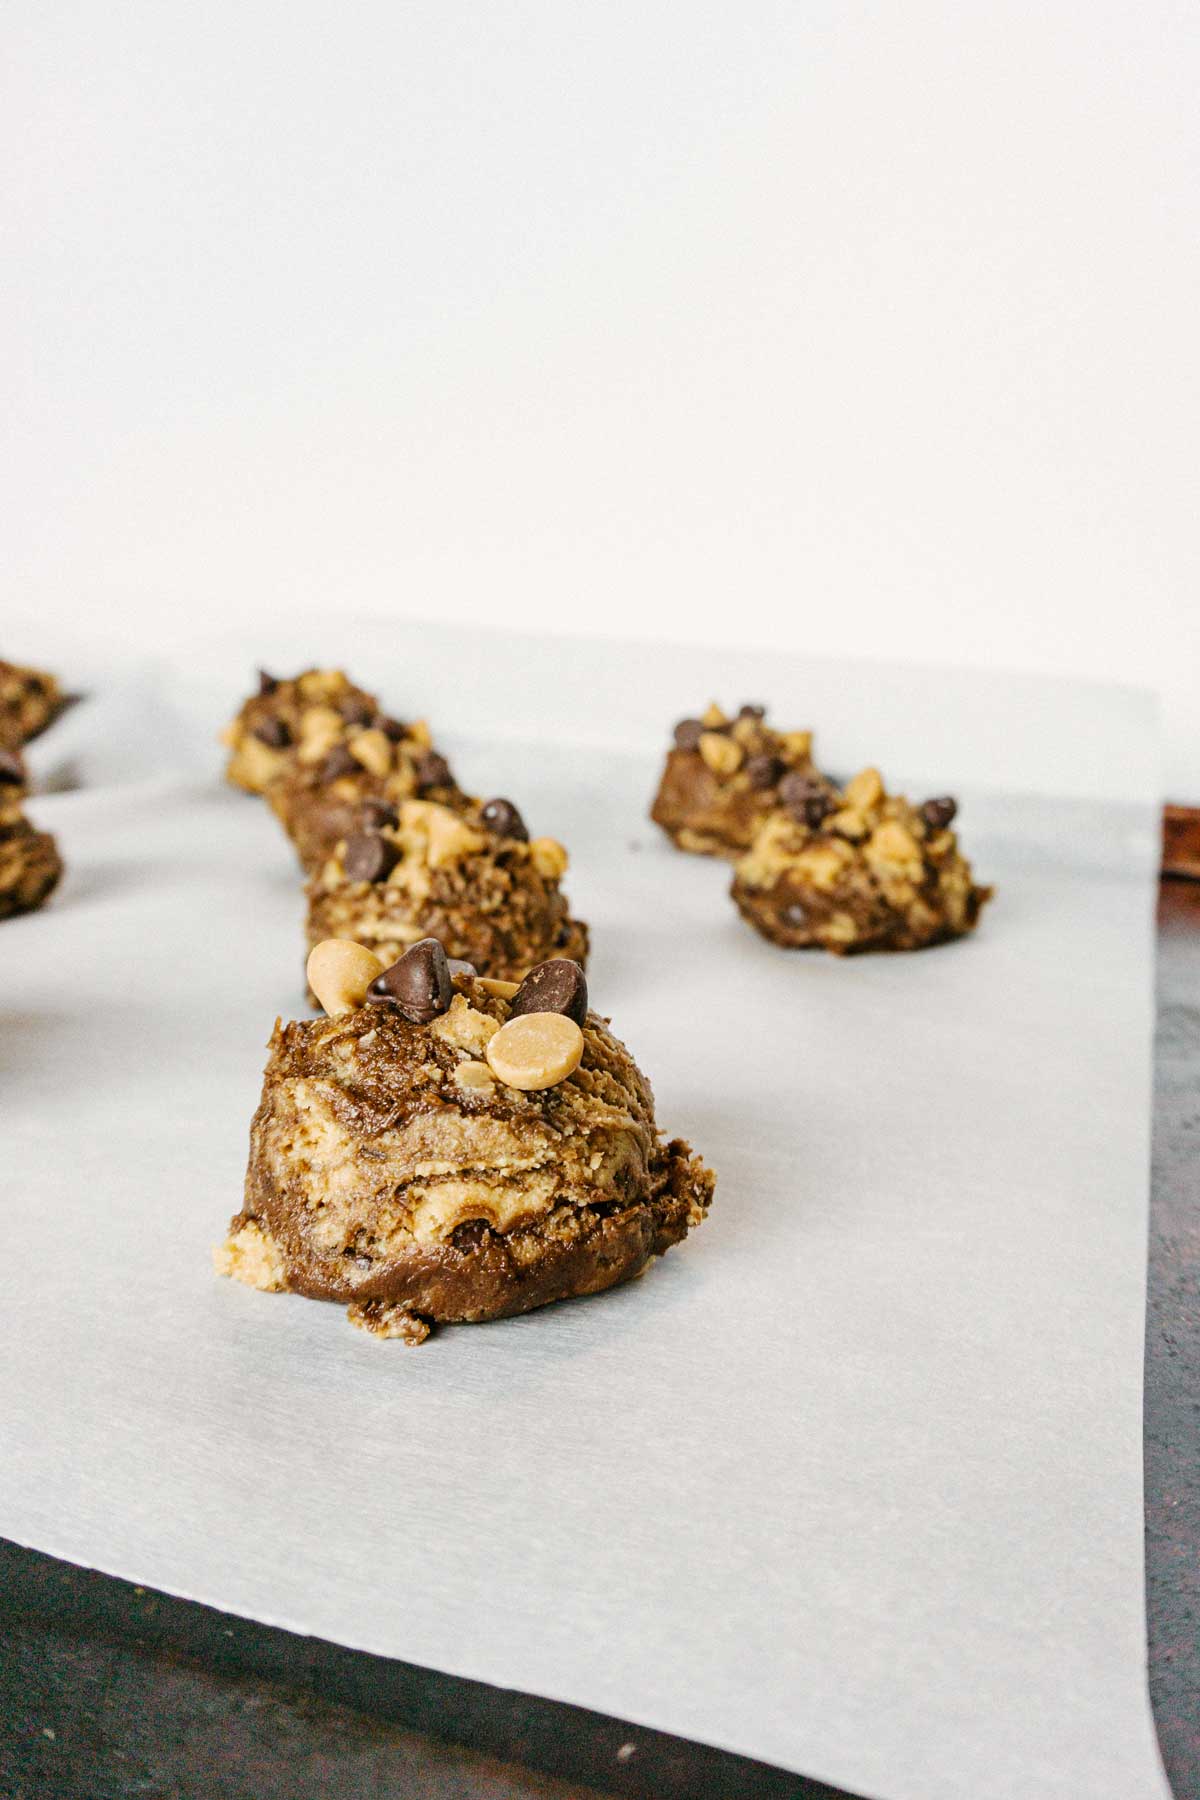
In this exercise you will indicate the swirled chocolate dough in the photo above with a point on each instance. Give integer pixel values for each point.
(392, 1170)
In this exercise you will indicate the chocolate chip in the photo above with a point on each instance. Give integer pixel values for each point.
(394, 729)
(12, 770)
(557, 986)
(266, 683)
(355, 710)
(805, 799)
(433, 770)
(418, 986)
(369, 857)
(339, 762)
(752, 710)
(763, 771)
(502, 817)
(274, 733)
(688, 733)
(375, 814)
(459, 967)
(939, 813)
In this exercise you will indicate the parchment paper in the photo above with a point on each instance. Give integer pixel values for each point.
(851, 1481)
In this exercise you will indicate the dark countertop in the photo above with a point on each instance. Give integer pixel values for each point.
(108, 1691)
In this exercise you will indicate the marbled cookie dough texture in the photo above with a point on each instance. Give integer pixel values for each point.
(858, 869)
(472, 879)
(29, 699)
(435, 1151)
(723, 776)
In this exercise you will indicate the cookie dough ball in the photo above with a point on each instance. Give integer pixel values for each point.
(723, 777)
(471, 879)
(858, 869)
(436, 1151)
(29, 699)
(270, 728)
(355, 781)
(30, 866)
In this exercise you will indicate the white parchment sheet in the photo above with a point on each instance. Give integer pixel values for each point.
(852, 1480)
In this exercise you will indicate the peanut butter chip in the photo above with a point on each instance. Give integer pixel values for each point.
(536, 1050)
(339, 974)
(373, 750)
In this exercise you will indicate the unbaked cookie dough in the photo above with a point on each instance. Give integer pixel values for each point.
(269, 728)
(724, 775)
(30, 866)
(29, 699)
(858, 869)
(471, 878)
(445, 1147)
(352, 780)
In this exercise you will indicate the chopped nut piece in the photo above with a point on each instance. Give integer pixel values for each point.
(464, 1027)
(890, 842)
(449, 836)
(849, 823)
(475, 1077)
(502, 990)
(722, 754)
(865, 790)
(320, 731)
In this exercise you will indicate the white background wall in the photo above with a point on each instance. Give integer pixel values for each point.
(847, 326)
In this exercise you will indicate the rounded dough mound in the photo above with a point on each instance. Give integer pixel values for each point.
(387, 1167)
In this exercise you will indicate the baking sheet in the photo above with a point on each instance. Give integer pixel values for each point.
(852, 1481)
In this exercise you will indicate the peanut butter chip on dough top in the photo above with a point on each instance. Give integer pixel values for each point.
(535, 1050)
(340, 972)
